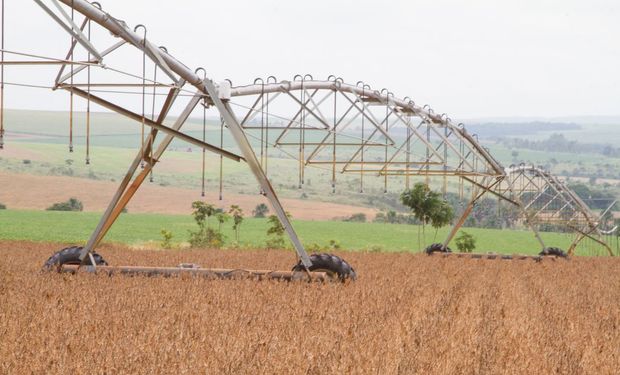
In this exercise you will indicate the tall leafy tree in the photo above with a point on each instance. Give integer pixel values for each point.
(205, 236)
(221, 217)
(237, 214)
(275, 233)
(441, 216)
(428, 207)
(202, 212)
(416, 199)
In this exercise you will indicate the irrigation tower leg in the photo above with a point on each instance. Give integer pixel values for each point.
(108, 212)
(123, 194)
(460, 222)
(573, 245)
(581, 236)
(152, 158)
(476, 195)
(530, 224)
(250, 157)
(528, 219)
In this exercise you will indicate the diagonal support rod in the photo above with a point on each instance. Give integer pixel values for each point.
(246, 149)
(123, 193)
(153, 124)
(73, 30)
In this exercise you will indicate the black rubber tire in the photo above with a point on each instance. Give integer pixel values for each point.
(554, 251)
(70, 255)
(331, 264)
(437, 248)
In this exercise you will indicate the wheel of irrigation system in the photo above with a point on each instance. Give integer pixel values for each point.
(437, 248)
(333, 265)
(71, 255)
(554, 251)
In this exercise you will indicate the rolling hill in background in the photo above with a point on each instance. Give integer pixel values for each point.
(36, 168)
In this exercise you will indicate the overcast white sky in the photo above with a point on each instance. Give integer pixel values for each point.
(474, 58)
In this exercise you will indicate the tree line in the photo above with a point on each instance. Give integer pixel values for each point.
(558, 143)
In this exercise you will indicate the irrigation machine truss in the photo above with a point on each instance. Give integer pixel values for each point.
(329, 124)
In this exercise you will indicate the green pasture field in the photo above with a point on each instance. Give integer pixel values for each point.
(144, 229)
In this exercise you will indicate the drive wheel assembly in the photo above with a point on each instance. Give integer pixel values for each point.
(71, 255)
(333, 265)
(554, 251)
(437, 248)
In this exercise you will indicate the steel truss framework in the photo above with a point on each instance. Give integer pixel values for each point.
(340, 127)
(544, 199)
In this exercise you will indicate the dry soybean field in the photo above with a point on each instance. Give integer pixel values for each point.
(407, 313)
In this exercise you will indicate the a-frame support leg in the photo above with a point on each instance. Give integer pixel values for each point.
(124, 194)
(528, 219)
(529, 222)
(581, 236)
(476, 195)
(90, 245)
(250, 157)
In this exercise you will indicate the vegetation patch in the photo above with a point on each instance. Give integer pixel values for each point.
(73, 204)
(137, 229)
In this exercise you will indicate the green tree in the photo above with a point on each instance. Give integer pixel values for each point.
(221, 218)
(465, 242)
(260, 210)
(417, 199)
(202, 212)
(166, 242)
(441, 216)
(275, 232)
(428, 207)
(73, 204)
(237, 214)
(205, 236)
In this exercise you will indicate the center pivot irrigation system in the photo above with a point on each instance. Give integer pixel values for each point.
(329, 124)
